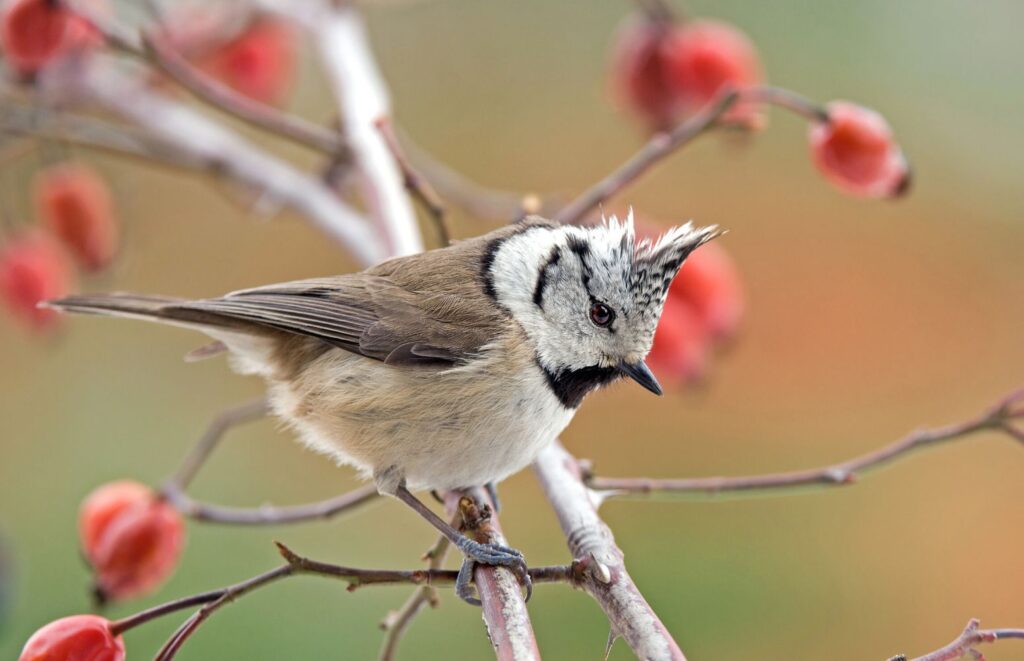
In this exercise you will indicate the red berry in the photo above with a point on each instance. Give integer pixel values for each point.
(682, 345)
(259, 63)
(74, 638)
(855, 150)
(710, 283)
(640, 71)
(131, 538)
(34, 268)
(706, 57)
(75, 203)
(35, 32)
(664, 70)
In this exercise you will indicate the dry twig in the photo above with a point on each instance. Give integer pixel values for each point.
(1004, 417)
(964, 644)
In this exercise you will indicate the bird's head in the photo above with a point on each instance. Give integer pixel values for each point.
(589, 298)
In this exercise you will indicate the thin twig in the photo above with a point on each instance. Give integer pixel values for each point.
(269, 515)
(174, 489)
(362, 98)
(397, 622)
(504, 609)
(474, 199)
(964, 644)
(417, 186)
(663, 144)
(97, 79)
(1001, 417)
(223, 97)
(295, 565)
(200, 452)
(36, 121)
(154, 48)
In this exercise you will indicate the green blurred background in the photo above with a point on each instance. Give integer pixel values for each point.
(865, 321)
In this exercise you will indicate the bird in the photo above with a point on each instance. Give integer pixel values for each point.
(448, 369)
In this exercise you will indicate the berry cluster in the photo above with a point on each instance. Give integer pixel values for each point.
(132, 539)
(76, 225)
(665, 70)
(74, 206)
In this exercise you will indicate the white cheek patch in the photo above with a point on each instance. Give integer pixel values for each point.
(516, 268)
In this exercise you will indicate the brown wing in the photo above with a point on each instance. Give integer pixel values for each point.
(425, 309)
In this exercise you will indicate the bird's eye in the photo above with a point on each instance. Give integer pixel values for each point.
(601, 314)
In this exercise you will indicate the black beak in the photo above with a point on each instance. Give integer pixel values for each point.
(640, 373)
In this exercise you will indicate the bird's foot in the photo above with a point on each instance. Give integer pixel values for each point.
(495, 555)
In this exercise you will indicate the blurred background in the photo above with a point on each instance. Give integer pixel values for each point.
(865, 320)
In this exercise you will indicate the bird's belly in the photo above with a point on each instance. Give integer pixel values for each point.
(444, 429)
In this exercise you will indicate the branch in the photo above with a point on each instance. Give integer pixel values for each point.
(476, 200)
(504, 609)
(98, 80)
(414, 182)
(362, 99)
(294, 565)
(1002, 417)
(223, 97)
(32, 121)
(174, 489)
(663, 144)
(270, 515)
(211, 438)
(396, 622)
(603, 574)
(154, 48)
(964, 643)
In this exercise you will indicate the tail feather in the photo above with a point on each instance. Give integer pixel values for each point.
(150, 308)
(253, 347)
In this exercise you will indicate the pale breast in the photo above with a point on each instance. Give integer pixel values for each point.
(460, 427)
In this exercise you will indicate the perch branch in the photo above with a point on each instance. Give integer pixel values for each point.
(362, 99)
(603, 574)
(1004, 417)
(964, 644)
(663, 144)
(98, 80)
(504, 609)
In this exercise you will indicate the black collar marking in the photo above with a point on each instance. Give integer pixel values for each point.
(571, 386)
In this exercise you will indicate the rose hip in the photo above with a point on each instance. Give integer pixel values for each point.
(131, 537)
(855, 150)
(75, 203)
(33, 268)
(74, 638)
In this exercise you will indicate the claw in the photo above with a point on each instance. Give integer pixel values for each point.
(464, 583)
(496, 555)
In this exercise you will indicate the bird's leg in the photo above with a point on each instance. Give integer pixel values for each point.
(488, 554)
(492, 493)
